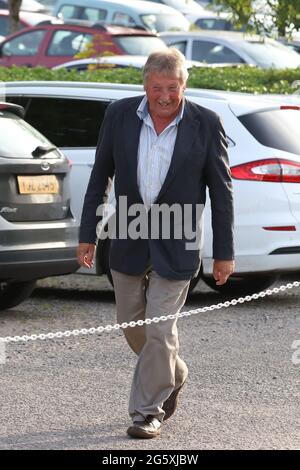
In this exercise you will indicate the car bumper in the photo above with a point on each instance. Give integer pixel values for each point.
(262, 264)
(35, 264)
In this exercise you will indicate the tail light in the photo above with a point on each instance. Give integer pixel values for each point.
(281, 228)
(289, 106)
(275, 170)
(70, 163)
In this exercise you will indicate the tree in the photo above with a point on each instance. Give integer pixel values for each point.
(14, 8)
(271, 17)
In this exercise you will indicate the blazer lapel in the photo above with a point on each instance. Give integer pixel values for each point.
(187, 132)
(131, 132)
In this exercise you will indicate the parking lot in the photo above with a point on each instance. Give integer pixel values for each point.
(71, 393)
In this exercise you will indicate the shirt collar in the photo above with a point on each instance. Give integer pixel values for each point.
(143, 110)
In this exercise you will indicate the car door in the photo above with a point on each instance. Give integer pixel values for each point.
(23, 49)
(63, 45)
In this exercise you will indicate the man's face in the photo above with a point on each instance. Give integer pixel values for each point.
(164, 95)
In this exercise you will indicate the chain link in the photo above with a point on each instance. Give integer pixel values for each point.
(148, 321)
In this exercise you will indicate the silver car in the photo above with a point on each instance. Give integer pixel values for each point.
(232, 47)
(38, 234)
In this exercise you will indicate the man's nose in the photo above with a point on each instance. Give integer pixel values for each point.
(165, 95)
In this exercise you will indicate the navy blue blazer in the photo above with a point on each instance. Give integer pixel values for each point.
(199, 161)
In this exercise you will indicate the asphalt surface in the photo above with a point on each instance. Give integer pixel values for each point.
(242, 393)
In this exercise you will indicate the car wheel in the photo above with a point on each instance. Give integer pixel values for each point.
(13, 293)
(242, 285)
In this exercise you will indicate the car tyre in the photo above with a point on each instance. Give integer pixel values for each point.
(13, 293)
(241, 285)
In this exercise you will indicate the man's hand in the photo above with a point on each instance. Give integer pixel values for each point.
(222, 270)
(85, 254)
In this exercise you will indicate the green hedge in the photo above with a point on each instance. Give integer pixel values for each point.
(242, 78)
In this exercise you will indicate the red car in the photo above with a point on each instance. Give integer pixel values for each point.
(54, 44)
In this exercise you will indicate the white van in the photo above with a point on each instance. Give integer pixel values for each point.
(134, 14)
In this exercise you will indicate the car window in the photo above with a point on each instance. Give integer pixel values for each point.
(139, 45)
(94, 14)
(13, 131)
(162, 22)
(83, 13)
(26, 44)
(67, 122)
(68, 42)
(68, 11)
(122, 19)
(211, 53)
(181, 46)
(278, 129)
(217, 23)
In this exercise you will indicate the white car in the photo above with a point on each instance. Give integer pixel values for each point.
(114, 61)
(152, 16)
(189, 8)
(232, 47)
(202, 17)
(264, 154)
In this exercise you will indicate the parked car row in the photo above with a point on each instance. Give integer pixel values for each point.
(91, 26)
(155, 15)
(264, 155)
(39, 215)
(53, 44)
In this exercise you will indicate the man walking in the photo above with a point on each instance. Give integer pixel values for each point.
(163, 150)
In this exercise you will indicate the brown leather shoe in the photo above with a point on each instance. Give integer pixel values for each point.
(146, 429)
(170, 405)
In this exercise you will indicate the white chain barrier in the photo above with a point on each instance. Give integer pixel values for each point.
(148, 321)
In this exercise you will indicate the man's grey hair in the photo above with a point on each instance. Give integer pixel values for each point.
(169, 62)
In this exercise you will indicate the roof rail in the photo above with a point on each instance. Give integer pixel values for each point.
(54, 21)
(99, 24)
(78, 21)
(136, 26)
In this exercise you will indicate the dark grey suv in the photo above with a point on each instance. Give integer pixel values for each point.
(38, 234)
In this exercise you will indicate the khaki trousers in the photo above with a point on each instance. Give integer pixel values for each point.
(159, 369)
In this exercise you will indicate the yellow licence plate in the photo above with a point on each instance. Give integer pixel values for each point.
(41, 184)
